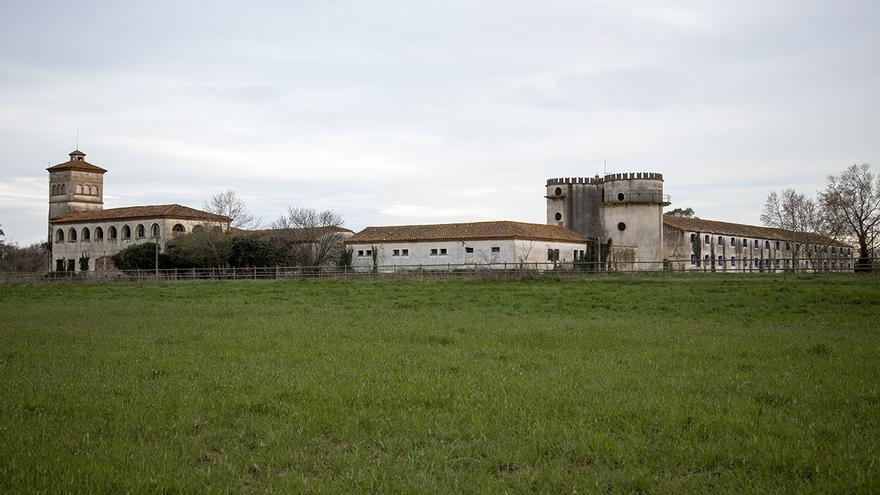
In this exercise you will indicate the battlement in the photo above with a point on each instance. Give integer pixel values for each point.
(634, 176)
(601, 180)
(575, 180)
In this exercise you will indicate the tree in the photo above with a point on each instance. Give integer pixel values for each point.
(206, 247)
(307, 237)
(139, 257)
(851, 202)
(229, 205)
(682, 212)
(794, 211)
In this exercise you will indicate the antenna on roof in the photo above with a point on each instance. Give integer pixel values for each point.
(77, 138)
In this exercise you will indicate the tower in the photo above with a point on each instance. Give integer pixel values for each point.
(632, 214)
(75, 185)
(626, 208)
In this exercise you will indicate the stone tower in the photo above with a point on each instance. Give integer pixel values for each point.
(626, 208)
(75, 185)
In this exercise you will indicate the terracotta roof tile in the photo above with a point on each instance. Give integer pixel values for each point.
(77, 165)
(466, 232)
(296, 234)
(736, 229)
(134, 212)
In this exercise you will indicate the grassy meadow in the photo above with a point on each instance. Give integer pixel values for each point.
(709, 384)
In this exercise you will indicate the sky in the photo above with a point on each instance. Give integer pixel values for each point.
(402, 112)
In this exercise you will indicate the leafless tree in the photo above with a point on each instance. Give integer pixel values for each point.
(228, 204)
(852, 201)
(311, 238)
(795, 211)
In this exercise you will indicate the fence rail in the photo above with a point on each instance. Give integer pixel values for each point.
(477, 270)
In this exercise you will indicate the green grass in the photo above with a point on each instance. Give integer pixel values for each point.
(683, 385)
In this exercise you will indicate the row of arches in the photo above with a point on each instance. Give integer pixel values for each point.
(85, 189)
(125, 233)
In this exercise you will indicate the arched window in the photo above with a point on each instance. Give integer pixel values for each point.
(94, 190)
(733, 261)
(63, 189)
(217, 228)
(71, 235)
(99, 234)
(706, 239)
(59, 235)
(720, 240)
(693, 237)
(693, 258)
(111, 233)
(178, 229)
(745, 242)
(198, 228)
(733, 242)
(126, 232)
(154, 230)
(141, 231)
(558, 191)
(721, 260)
(86, 234)
(79, 189)
(706, 258)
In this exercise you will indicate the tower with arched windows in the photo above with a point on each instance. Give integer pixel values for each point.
(75, 185)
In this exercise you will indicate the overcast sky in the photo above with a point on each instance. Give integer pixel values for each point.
(426, 112)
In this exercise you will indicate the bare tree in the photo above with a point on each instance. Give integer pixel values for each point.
(794, 211)
(310, 237)
(228, 204)
(852, 202)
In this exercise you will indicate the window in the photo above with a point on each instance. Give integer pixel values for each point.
(693, 237)
(405, 252)
(154, 230)
(59, 235)
(360, 252)
(693, 259)
(757, 262)
(766, 244)
(442, 251)
(733, 261)
(469, 250)
(198, 228)
(434, 252)
(99, 234)
(86, 234)
(126, 232)
(558, 216)
(833, 250)
(733, 242)
(71, 235)
(767, 262)
(721, 260)
(141, 231)
(396, 252)
(745, 242)
(757, 243)
(111, 233)
(558, 193)
(706, 239)
(369, 252)
(720, 241)
(78, 189)
(777, 244)
(496, 249)
(552, 255)
(620, 196)
(621, 226)
(178, 229)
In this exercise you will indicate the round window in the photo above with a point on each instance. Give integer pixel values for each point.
(559, 191)
(558, 216)
(620, 196)
(621, 226)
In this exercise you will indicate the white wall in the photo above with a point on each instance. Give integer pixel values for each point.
(419, 253)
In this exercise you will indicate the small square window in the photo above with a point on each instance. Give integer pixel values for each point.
(496, 249)
(469, 250)
(405, 252)
(442, 251)
(360, 252)
(396, 252)
(434, 252)
(369, 252)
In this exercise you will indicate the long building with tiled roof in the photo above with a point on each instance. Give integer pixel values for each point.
(84, 236)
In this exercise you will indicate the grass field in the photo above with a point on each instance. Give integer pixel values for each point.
(683, 385)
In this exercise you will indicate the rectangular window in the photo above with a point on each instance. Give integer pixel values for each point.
(766, 244)
(777, 244)
(360, 252)
(733, 242)
(469, 250)
(443, 252)
(433, 252)
(496, 249)
(405, 252)
(757, 243)
(720, 240)
(693, 259)
(693, 237)
(396, 252)
(706, 239)
(552, 255)
(745, 242)
(369, 252)
(733, 261)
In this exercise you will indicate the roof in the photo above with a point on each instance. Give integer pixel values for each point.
(466, 232)
(135, 212)
(299, 234)
(736, 229)
(77, 165)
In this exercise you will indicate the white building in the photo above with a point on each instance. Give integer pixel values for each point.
(83, 235)
(487, 244)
